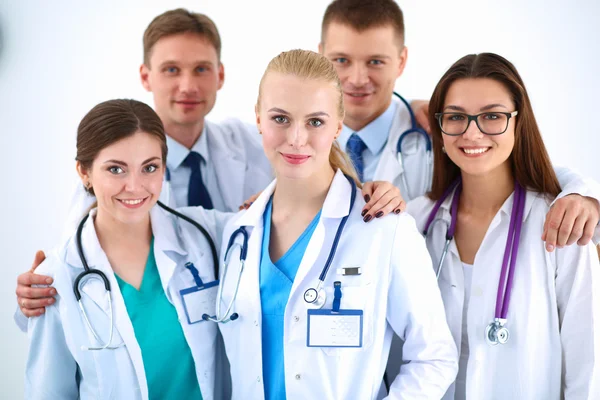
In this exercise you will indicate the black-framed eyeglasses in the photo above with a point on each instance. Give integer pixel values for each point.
(489, 122)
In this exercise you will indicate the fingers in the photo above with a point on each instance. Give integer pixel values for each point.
(29, 278)
(576, 232)
(33, 313)
(551, 225)
(38, 259)
(421, 110)
(31, 305)
(566, 226)
(29, 293)
(386, 199)
(246, 205)
(588, 232)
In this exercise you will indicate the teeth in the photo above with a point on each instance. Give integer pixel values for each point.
(476, 151)
(132, 202)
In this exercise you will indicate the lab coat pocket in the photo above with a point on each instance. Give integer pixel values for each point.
(353, 298)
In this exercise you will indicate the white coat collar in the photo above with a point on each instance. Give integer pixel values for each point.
(505, 210)
(165, 240)
(231, 171)
(336, 205)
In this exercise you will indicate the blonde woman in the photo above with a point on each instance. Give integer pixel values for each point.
(312, 295)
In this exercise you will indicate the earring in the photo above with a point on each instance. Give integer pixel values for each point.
(443, 150)
(88, 185)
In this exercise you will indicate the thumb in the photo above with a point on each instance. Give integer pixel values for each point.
(39, 258)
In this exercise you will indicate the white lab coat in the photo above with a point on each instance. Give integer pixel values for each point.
(553, 317)
(396, 291)
(416, 159)
(57, 367)
(571, 183)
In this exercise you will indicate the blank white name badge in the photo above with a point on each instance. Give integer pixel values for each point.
(327, 328)
(199, 300)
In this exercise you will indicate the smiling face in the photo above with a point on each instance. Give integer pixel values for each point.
(126, 178)
(299, 120)
(368, 64)
(184, 75)
(474, 152)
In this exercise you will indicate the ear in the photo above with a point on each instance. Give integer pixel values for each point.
(321, 48)
(402, 63)
(83, 174)
(339, 128)
(257, 113)
(144, 73)
(221, 76)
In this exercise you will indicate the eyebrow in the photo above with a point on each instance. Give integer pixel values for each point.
(484, 108)
(378, 56)
(123, 163)
(311, 115)
(173, 62)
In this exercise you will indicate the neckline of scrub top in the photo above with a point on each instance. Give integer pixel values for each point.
(150, 280)
(267, 239)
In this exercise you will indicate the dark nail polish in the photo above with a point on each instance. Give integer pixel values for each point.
(397, 211)
(362, 214)
(379, 214)
(367, 218)
(367, 198)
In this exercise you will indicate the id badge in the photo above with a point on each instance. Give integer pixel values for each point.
(198, 301)
(327, 328)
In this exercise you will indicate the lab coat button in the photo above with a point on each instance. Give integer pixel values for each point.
(296, 318)
(258, 379)
(297, 376)
(255, 323)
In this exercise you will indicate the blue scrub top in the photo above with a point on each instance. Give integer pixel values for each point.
(275, 286)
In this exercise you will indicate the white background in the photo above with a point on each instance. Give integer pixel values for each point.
(60, 58)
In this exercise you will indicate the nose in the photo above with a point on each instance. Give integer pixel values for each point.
(297, 135)
(133, 181)
(359, 75)
(187, 84)
(472, 132)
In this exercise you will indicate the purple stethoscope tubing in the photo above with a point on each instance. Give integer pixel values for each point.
(511, 250)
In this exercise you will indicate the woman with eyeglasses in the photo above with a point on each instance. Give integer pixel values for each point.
(525, 321)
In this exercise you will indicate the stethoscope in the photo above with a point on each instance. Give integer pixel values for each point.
(414, 128)
(89, 272)
(314, 297)
(496, 332)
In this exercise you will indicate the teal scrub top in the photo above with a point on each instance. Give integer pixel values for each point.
(168, 363)
(275, 286)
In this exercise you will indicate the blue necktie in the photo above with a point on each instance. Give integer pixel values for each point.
(197, 193)
(355, 148)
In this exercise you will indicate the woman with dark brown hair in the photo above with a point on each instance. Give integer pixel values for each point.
(525, 321)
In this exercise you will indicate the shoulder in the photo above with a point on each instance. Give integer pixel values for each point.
(419, 209)
(234, 129)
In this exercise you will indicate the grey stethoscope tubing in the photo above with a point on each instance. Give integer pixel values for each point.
(226, 317)
(414, 128)
(100, 275)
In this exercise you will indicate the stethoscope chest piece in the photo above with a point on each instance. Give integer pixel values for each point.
(497, 333)
(315, 298)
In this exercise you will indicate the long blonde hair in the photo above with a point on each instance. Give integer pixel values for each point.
(313, 66)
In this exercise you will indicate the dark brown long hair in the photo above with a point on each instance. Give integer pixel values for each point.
(529, 159)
